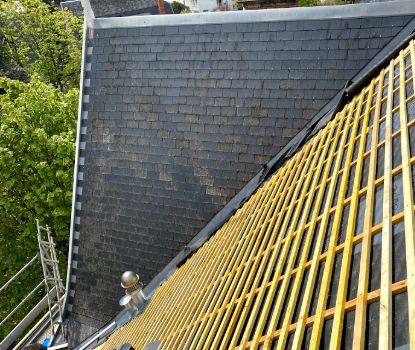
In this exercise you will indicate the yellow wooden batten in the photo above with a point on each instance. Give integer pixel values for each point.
(279, 273)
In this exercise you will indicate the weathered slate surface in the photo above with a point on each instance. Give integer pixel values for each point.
(179, 119)
(107, 8)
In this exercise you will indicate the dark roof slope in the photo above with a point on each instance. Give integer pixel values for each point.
(309, 260)
(176, 119)
(118, 8)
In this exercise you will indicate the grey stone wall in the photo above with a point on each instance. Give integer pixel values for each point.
(107, 8)
(74, 6)
(178, 119)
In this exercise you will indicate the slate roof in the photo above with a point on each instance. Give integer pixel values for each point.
(307, 261)
(74, 6)
(121, 8)
(177, 117)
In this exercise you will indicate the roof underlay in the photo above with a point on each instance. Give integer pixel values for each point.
(313, 253)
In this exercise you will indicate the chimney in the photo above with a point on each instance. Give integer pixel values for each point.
(160, 5)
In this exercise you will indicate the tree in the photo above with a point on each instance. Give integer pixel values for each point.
(42, 41)
(178, 7)
(37, 148)
(322, 2)
(306, 3)
(236, 5)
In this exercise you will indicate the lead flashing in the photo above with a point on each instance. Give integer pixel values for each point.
(88, 13)
(76, 190)
(390, 8)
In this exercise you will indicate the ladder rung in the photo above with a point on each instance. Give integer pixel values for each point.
(53, 280)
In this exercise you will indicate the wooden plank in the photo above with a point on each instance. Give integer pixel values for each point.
(223, 265)
(302, 265)
(221, 242)
(339, 248)
(182, 286)
(328, 266)
(202, 330)
(210, 269)
(315, 210)
(407, 177)
(221, 321)
(172, 322)
(397, 288)
(385, 309)
(336, 334)
(292, 221)
(362, 288)
(233, 321)
(308, 292)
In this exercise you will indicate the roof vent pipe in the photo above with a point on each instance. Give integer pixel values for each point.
(134, 296)
(127, 303)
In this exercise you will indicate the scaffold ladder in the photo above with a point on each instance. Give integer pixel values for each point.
(52, 279)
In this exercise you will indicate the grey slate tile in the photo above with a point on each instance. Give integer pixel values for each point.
(182, 117)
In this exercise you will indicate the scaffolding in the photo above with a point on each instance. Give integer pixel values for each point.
(54, 293)
(52, 279)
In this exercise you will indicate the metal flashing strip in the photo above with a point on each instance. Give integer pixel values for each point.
(77, 177)
(88, 13)
(387, 9)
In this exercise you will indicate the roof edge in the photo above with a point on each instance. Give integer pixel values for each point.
(76, 167)
(390, 8)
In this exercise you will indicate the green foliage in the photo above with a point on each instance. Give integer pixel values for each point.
(42, 41)
(37, 147)
(41, 46)
(236, 5)
(306, 3)
(178, 7)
